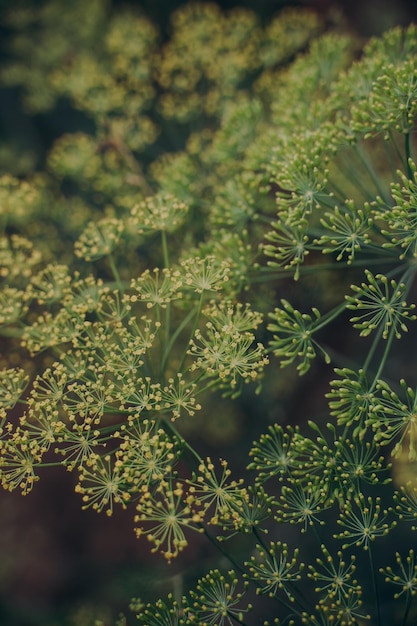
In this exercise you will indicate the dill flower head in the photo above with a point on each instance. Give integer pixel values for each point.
(101, 485)
(13, 382)
(274, 569)
(363, 521)
(164, 516)
(218, 495)
(156, 288)
(404, 575)
(383, 304)
(99, 239)
(217, 600)
(162, 212)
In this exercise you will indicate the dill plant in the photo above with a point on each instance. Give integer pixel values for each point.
(139, 271)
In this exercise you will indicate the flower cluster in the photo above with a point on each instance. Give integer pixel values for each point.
(226, 173)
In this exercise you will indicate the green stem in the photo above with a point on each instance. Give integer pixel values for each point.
(220, 548)
(170, 342)
(351, 172)
(184, 442)
(239, 568)
(197, 317)
(115, 273)
(407, 148)
(271, 273)
(167, 326)
(209, 385)
(165, 248)
(51, 464)
(260, 539)
(330, 316)
(384, 359)
(374, 346)
(400, 156)
(236, 619)
(13, 332)
(407, 609)
(391, 153)
(373, 176)
(374, 586)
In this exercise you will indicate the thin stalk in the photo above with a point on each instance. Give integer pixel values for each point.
(165, 253)
(167, 325)
(170, 342)
(238, 567)
(384, 359)
(260, 539)
(220, 548)
(407, 609)
(330, 316)
(370, 170)
(374, 586)
(12, 332)
(394, 155)
(398, 152)
(197, 317)
(352, 174)
(209, 385)
(327, 201)
(51, 464)
(115, 273)
(183, 441)
(407, 147)
(271, 273)
(236, 619)
(374, 346)
(317, 536)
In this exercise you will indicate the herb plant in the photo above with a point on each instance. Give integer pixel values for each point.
(235, 198)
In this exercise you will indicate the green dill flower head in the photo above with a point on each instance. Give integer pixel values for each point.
(274, 455)
(99, 239)
(404, 576)
(165, 515)
(401, 218)
(394, 419)
(274, 569)
(217, 600)
(13, 382)
(101, 485)
(383, 304)
(18, 257)
(218, 495)
(333, 576)
(363, 521)
(293, 336)
(162, 212)
(156, 288)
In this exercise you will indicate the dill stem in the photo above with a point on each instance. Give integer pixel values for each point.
(384, 358)
(171, 340)
(183, 441)
(236, 619)
(197, 317)
(167, 326)
(407, 148)
(374, 586)
(115, 273)
(220, 548)
(407, 609)
(373, 176)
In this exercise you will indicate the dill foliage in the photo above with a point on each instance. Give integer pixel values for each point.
(246, 192)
